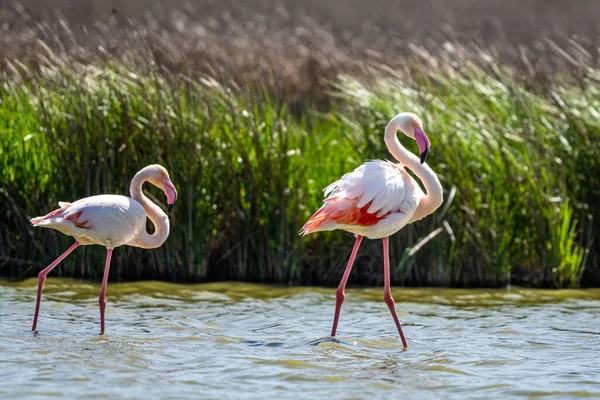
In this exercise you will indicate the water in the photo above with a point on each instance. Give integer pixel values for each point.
(243, 341)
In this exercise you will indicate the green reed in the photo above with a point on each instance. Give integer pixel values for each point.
(517, 167)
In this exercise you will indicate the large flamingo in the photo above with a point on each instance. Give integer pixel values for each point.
(111, 221)
(378, 199)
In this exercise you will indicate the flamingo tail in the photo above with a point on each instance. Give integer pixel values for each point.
(45, 220)
(314, 222)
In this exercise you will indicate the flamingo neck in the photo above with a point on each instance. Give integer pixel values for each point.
(159, 219)
(433, 187)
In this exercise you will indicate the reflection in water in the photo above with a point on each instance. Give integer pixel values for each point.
(249, 341)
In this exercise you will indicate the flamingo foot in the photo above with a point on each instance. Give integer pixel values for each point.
(41, 280)
(102, 298)
(339, 294)
(102, 304)
(387, 291)
(389, 300)
(339, 299)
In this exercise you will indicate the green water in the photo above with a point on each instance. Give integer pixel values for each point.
(230, 341)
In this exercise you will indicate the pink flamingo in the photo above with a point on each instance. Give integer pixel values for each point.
(378, 199)
(111, 221)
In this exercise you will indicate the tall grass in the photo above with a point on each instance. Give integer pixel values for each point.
(508, 155)
(516, 163)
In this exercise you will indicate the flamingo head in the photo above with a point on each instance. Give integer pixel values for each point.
(412, 126)
(159, 177)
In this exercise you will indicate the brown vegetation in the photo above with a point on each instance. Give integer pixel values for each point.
(294, 47)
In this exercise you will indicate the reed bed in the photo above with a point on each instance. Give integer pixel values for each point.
(251, 138)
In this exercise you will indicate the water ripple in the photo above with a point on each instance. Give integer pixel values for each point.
(235, 340)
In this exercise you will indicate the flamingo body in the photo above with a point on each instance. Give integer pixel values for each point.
(110, 221)
(107, 220)
(378, 199)
(375, 200)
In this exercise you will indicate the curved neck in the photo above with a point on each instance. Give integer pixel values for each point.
(157, 216)
(433, 187)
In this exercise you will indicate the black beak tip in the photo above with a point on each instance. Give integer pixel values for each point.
(424, 155)
(170, 207)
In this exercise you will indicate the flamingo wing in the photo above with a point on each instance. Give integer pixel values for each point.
(375, 192)
(109, 220)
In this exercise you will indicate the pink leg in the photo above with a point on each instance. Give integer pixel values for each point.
(42, 278)
(339, 293)
(387, 292)
(102, 298)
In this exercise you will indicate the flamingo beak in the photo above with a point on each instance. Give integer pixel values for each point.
(423, 143)
(423, 156)
(171, 193)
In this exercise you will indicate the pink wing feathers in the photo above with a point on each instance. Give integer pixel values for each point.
(365, 197)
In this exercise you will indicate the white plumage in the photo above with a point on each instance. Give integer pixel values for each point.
(375, 200)
(108, 220)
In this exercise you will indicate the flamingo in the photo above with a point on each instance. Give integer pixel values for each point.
(378, 199)
(111, 221)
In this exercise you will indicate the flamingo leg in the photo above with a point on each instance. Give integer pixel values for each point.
(42, 278)
(339, 293)
(387, 292)
(102, 298)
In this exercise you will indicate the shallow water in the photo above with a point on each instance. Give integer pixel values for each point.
(250, 341)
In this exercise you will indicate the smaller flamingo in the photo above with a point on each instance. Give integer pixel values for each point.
(378, 199)
(111, 221)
